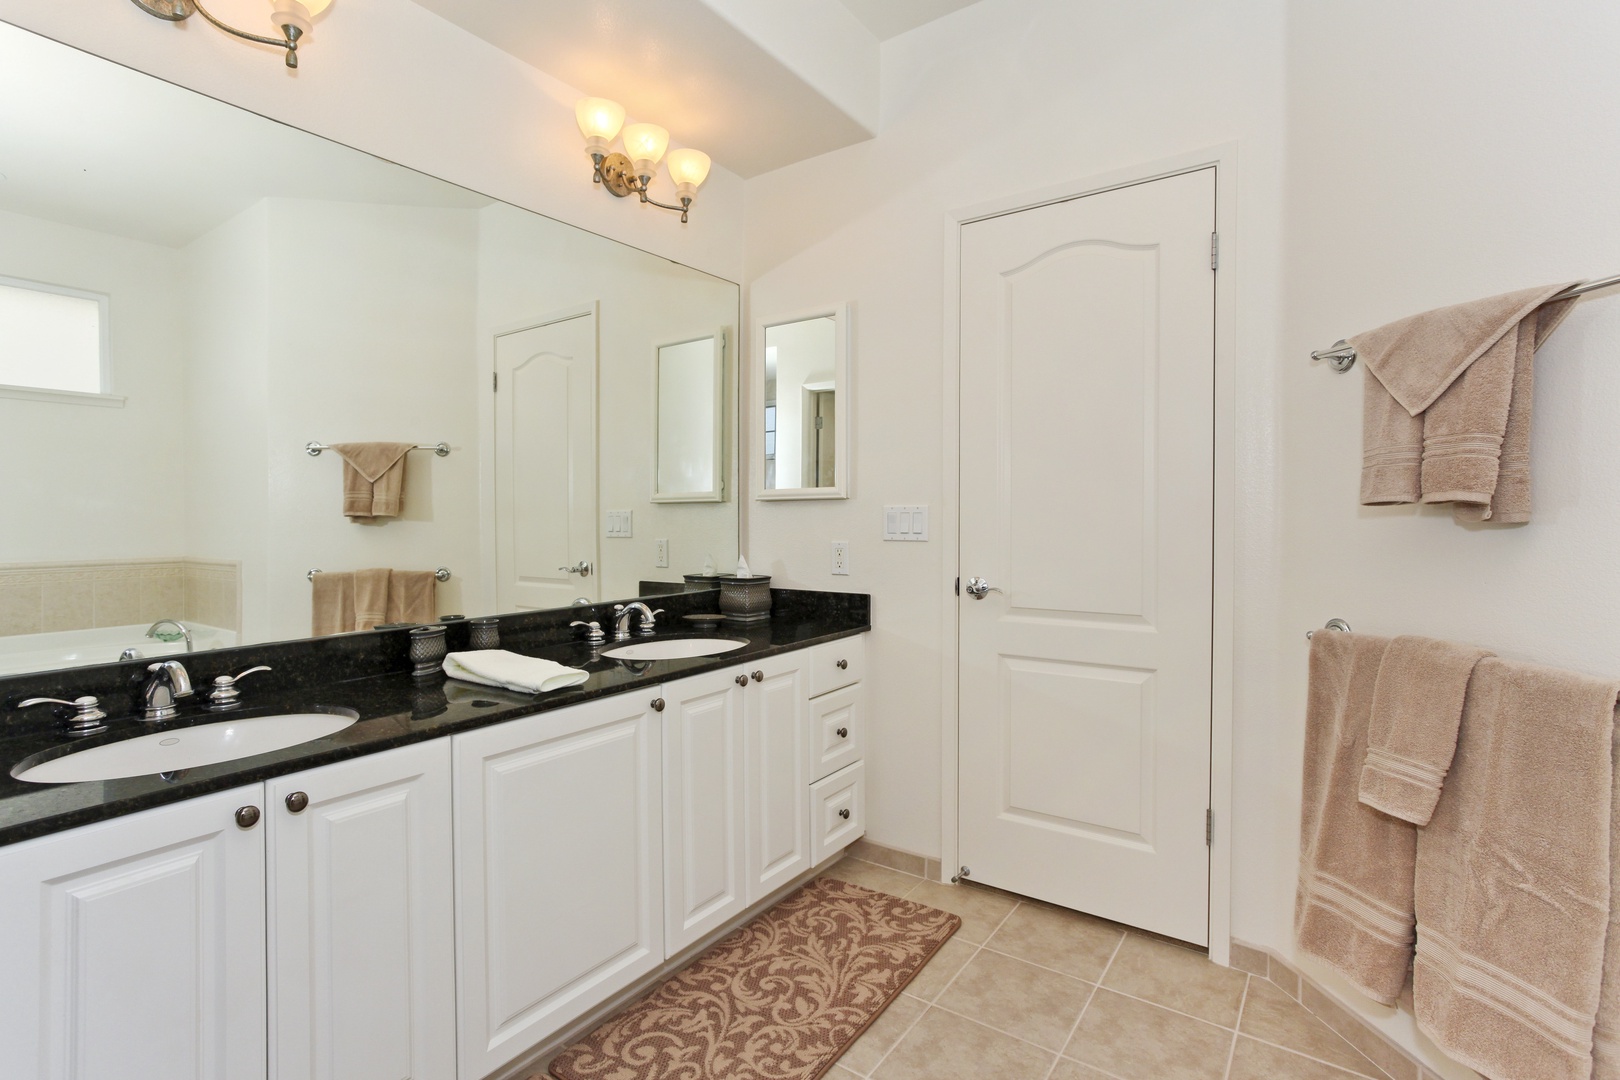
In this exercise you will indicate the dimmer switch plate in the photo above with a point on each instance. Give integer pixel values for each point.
(620, 523)
(905, 523)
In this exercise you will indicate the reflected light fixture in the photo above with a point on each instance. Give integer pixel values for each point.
(631, 172)
(294, 18)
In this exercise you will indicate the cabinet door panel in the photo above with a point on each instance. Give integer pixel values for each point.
(777, 827)
(135, 948)
(705, 881)
(362, 919)
(559, 871)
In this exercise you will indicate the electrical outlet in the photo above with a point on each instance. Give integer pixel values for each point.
(661, 550)
(840, 562)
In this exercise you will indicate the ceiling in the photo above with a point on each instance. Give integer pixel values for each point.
(756, 86)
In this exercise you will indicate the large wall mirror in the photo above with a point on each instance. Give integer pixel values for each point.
(802, 406)
(191, 295)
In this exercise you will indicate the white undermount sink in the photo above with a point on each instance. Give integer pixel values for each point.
(673, 648)
(187, 748)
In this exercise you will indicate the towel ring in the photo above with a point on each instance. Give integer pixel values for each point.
(1332, 624)
(442, 573)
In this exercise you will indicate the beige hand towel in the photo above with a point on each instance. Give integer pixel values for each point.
(1606, 1037)
(1446, 413)
(332, 604)
(370, 598)
(1513, 876)
(1413, 730)
(373, 478)
(1353, 908)
(413, 596)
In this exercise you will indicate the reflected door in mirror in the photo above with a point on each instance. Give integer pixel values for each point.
(545, 463)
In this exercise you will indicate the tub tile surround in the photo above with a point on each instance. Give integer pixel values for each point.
(46, 597)
(367, 672)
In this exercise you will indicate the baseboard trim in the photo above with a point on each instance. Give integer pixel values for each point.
(1396, 1062)
(896, 859)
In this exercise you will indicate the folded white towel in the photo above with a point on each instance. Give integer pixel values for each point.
(525, 674)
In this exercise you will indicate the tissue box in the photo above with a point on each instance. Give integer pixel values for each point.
(745, 599)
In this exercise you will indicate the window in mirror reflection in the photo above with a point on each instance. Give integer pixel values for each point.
(52, 338)
(803, 420)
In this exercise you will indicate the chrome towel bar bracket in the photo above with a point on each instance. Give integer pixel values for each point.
(442, 573)
(1332, 624)
(442, 449)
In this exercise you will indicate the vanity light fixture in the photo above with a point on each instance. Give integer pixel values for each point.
(630, 172)
(294, 18)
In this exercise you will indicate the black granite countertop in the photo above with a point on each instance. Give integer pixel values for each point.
(395, 709)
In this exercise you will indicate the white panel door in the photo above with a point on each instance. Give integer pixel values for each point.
(362, 919)
(1087, 466)
(778, 771)
(134, 949)
(545, 463)
(705, 876)
(559, 871)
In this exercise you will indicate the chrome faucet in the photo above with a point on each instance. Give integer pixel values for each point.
(168, 681)
(646, 622)
(151, 632)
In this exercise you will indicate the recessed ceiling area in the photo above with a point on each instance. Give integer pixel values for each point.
(756, 86)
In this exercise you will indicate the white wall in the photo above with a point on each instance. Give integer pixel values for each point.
(125, 465)
(1003, 97)
(391, 78)
(1473, 151)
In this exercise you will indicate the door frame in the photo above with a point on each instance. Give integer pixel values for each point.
(1223, 158)
(489, 573)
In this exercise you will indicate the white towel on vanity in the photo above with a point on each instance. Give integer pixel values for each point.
(525, 674)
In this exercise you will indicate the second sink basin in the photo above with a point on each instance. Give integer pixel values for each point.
(187, 748)
(673, 648)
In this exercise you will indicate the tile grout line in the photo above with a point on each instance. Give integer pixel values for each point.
(1074, 1027)
(1237, 1025)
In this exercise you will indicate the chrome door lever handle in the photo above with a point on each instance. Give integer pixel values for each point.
(979, 588)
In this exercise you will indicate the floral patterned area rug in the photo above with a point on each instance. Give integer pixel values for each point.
(782, 998)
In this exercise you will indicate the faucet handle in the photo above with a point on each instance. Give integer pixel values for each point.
(649, 623)
(593, 631)
(225, 695)
(87, 717)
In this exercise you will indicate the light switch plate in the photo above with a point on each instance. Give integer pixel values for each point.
(905, 523)
(620, 523)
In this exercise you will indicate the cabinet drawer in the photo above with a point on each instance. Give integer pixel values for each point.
(837, 664)
(837, 812)
(837, 731)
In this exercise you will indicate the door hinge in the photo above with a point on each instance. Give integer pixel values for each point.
(1209, 827)
(958, 586)
(1214, 251)
(495, 381)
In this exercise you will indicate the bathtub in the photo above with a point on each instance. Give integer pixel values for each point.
(21, 653)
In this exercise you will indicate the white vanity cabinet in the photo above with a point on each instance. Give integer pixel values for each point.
(777, 826)
(362, 918)
(836, 746)
(134, 948)
(559, 871)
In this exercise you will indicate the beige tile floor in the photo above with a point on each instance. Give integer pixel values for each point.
(1025, 991)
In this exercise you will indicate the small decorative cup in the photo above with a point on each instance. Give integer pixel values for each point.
(485, 633)
(427, 651)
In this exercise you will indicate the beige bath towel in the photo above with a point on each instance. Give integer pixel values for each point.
(1606, 1038)
(1353, 908)
(332, 604)
(373, 478)
(1513, 876)
(1446, 411)
(413, 597)
(1413, 731)
(371, 598)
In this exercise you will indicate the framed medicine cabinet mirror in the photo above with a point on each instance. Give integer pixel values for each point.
(690, 443)
(802, 406)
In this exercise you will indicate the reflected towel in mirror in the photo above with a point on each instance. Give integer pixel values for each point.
(365, 599)
(373, 478)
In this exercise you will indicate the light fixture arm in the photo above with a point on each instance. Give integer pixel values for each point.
(179, 10)
(641, 189)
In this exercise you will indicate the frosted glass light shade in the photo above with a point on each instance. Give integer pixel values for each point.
(599, 120)
(299, 13)
(644, 145)
(688, 168)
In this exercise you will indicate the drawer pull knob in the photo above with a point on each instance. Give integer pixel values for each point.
(843, 733)
(247, 816)
(297, 801)
(742, 680)
(759, 676)
(843, 665)
(844, 813)
(657, 704)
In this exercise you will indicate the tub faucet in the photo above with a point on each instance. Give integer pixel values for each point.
(167, 681)
(151, 631)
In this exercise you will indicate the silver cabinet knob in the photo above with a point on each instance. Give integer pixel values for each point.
(759, 676)
(979, 588)
(843, 665)
(843, 733)
(844, 813)
(742, 680)
(297, 802)
(247, 816)
(658, 704)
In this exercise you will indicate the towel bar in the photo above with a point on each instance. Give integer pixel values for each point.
(442, 449)
(442, 573)
(1342, 356)
(1332, 624)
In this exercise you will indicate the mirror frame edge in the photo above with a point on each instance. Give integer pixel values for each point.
(839, 313)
